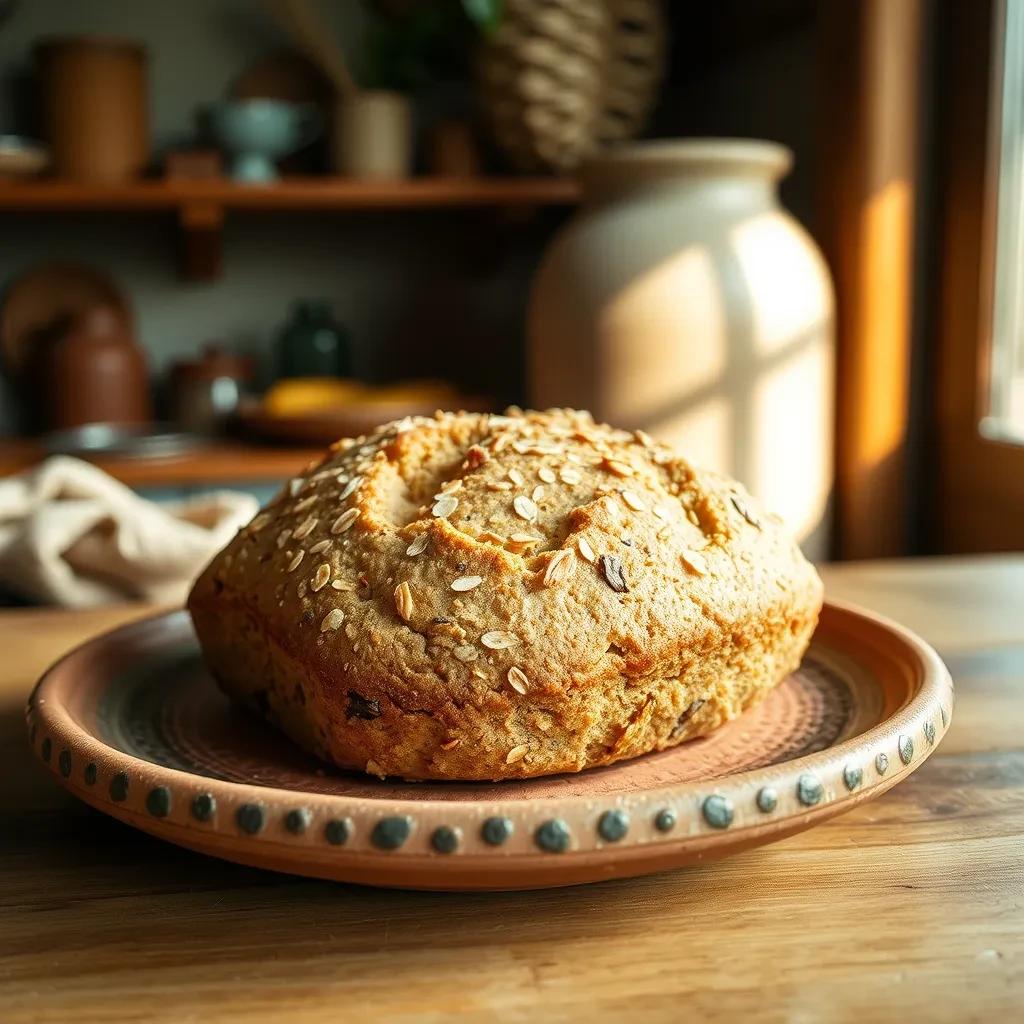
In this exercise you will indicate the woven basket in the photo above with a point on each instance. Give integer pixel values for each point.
(562, 79)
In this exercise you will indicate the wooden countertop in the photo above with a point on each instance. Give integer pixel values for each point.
(219, 462)
(910, 907)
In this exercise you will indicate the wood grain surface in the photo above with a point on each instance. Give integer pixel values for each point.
(910, 907)
(315, 194)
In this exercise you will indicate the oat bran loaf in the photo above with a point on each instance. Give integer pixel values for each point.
(473, 596)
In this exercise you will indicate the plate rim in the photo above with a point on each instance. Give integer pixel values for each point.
(711, 818)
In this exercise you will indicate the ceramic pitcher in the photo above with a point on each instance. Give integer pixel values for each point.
(684, 300)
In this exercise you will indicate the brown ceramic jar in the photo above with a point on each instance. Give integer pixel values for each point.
(96, 373)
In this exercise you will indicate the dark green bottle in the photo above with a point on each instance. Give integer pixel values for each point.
(313, 344)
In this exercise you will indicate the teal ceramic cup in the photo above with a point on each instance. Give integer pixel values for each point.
(257, 132)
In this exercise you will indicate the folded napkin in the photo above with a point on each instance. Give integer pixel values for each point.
(72, 535)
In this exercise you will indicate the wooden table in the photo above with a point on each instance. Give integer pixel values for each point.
(909, 908)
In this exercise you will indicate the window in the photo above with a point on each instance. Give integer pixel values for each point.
(1005, 416)
(977, 498)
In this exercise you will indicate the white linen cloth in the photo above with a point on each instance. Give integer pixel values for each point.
(72, 535)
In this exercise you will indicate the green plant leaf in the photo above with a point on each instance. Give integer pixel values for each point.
(485, 14)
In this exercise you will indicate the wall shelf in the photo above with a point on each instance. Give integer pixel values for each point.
(219, 463)
(201, 206)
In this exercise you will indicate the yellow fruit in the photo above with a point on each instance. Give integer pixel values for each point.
(299, 395)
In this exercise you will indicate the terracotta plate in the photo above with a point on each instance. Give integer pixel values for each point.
(132, 724)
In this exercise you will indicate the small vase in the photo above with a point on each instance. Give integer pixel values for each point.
(313, 344)
(684, 300)
(373, 135)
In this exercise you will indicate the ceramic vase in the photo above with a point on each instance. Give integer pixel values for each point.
(95, 107)
(683, 300)
(373, 135)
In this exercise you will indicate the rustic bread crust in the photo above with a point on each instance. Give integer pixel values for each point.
(489, 597)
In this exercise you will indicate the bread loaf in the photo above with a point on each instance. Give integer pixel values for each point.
(485, 597)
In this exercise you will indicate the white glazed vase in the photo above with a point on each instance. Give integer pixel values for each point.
(683, 300)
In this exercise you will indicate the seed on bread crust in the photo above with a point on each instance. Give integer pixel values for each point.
(518, 679)
(617, 467)
(344, 521)
(498, 639)
(695, 562)
(305, 528)
(332, 620)
(419, 544)
(323, 574)
(525, 508)
(614, 573)
(403, 601)
(557, 568)
(445, 506)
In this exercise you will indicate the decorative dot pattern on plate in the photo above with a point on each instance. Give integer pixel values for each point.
(445, 839)
(613, 825)
(767, 799)
(391, 833)
(553, 836)
(882, 763)
(337, 831)
(251, 818)
(852, 776)
(204, 806)
(906, 749)
(158, 801)
(809, 790)
(717, 811)
(90, 774)
(496, 831)
(64, 763)
(298, 820)
(665, 820)
(119, 787)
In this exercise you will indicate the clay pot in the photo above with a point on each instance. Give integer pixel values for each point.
(95, 107)
(95, 373)
(684, 300)
(207, 391)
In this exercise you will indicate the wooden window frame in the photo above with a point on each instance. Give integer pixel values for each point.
(872, 54)
(979, 481)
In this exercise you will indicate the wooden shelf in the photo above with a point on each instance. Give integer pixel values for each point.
(220, 462)
(201, 206)
(314, 194)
